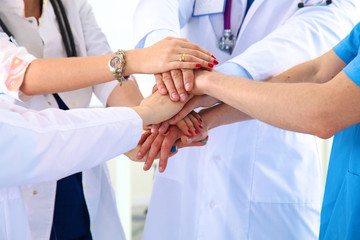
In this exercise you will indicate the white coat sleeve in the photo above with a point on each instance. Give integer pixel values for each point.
(160, 18)
(51, 144)
(310, 32)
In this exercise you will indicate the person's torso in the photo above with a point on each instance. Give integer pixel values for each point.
(52, 47)
(339, 216)
(39, 198)
(248, 172)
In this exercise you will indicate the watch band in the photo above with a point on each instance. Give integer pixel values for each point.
(117, 66)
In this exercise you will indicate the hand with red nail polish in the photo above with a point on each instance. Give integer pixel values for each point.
(191, 125)
(166, 55)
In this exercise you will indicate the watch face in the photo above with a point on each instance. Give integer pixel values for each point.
(115, 62)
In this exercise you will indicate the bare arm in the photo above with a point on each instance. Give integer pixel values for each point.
(64, 74)
(304, 105)
(128, 95)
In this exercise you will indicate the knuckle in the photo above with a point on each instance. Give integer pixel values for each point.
(166, 78)
(176, 74)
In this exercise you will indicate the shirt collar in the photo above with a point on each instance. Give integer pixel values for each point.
(17, 6)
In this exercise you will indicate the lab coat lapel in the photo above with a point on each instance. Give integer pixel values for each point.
(254, 7)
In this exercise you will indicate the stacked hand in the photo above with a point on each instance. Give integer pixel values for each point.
(177, 85)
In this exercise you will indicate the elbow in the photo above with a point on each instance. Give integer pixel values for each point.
(324, 133)
(29, 91)
(324, 127)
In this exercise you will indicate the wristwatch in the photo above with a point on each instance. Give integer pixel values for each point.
(117, 66)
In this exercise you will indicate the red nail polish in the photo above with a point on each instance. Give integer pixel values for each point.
(200, 120)
(201, 127)
(189, 132)
(198, 65)
(196, 132)
(166, 132)
(213, 56)
(207, 137)
(215, 61)
(211, 65)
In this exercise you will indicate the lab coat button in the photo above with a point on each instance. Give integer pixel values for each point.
(212, 205)
(93, 226)
(35, 192)
(85, 186)
(217, 159)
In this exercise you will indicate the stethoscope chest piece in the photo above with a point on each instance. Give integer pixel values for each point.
(227, 41)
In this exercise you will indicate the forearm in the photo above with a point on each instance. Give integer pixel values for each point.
(222, 114)
(319, 70)
(298, 107)
(50, 140)
(45, 76)
(128, 95)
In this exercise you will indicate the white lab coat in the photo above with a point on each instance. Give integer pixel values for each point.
(89, 40)
(49, 145)
(252, 180)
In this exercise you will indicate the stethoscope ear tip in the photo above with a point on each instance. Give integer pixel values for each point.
(301, 5)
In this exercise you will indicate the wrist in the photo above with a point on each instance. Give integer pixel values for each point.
(210, 85)
(145, 114)
(117, 66)
(133, 57)
(207, 119)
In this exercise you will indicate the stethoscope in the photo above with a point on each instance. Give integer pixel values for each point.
(64, 27)
(227, 41)
(66, 34)
(318, 3)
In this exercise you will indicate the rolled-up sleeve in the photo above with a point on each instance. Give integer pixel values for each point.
(13, 64)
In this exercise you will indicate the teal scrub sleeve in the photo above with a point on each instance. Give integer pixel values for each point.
(352, 70)
(348, 48)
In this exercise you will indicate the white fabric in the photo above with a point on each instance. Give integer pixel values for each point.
(251, 181)
(51, 144)
(89, 40)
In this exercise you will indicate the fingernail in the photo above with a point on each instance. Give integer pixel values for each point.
(189, 132)
(215, 61)
(201, 127)
(187, 86)
(145, 166)
(183, 96)
(200, 120)
(173, 95)
(138, 154)
(213, 56)
(198, 65)
(161, 169)
(211, 65)
(173, 149)
(196, 132)
(205, 140)
(163, 90)
(167, 131)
